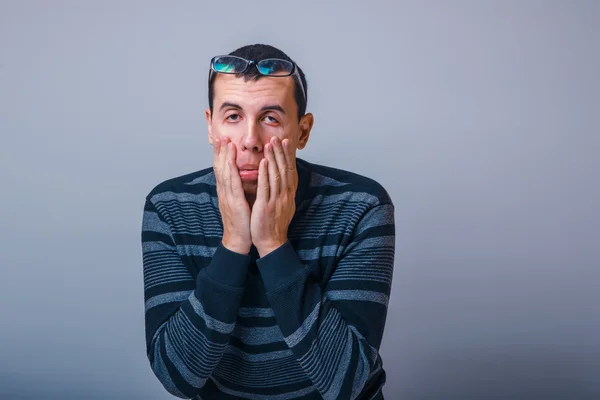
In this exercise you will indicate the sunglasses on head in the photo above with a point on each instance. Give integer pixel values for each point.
(268, 67)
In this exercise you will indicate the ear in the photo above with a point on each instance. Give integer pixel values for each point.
(306, 124)
(208, 123)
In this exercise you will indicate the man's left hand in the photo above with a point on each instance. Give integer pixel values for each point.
(275, 203)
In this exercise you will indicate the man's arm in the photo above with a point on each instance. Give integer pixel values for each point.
(188, 321)
(336, 333)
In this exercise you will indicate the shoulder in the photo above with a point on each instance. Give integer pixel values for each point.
(341, 183)
(190, 184)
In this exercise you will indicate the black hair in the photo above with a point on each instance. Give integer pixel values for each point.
(257, 52)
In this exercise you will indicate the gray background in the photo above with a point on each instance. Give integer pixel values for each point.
(481, 119)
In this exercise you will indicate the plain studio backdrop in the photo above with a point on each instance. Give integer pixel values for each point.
(480, 118)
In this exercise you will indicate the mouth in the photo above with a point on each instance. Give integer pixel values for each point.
(248, 172)
(248, 167)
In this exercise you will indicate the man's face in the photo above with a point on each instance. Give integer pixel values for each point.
(250, 113)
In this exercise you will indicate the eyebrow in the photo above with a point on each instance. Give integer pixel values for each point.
(228, 104)
(272, 107)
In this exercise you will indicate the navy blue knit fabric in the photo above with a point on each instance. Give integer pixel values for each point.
(303, 322)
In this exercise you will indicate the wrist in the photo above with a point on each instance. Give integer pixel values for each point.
(266, 248)
(236, 246)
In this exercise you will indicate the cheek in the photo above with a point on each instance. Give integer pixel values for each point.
(232, 131)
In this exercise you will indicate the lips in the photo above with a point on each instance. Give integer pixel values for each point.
(249, 174)
(248, 167)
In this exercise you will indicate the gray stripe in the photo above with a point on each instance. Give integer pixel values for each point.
(167, 298)
(180, 197)
(209, 179)
(354, 278)
(152, 284)
(160, 369)
(258, 335)
(151, 222)
(337, 251)
(156, 246)
(246, 395)
(296, 337)
(325, 351)
(358, 295)
(170, 276)
(317, 253)
(318, 214)
(249, 312)
(334, 388)
(201, 353)
(318, 180)
(353, 197)
(364, 272)
(363, 367)
(189, 376)
(315, 232)
(377, 262)
(378, 216)
(327, 227)
(196, 250)
(201, 230)
(270, 356)
(271, 374)
(211, 322)
(366, 244)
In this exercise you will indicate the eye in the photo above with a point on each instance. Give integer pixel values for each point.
(271, 119)
(233, 117)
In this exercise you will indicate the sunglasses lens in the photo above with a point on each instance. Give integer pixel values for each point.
(274, 66)
(229, 65)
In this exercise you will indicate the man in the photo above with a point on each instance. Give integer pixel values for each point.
(266, 276)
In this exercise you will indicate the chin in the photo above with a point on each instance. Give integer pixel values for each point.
(250, 187)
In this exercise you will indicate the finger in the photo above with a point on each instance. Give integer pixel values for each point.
(216, 165)
(216, 147)
(223, 162)
(281, 164)
(236, 180)
(223, 153)
(274, 175)
(289, 154)
(291, 173)
(289, 157)
(263, 192)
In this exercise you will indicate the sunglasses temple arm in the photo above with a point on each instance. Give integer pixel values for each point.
(300, 80)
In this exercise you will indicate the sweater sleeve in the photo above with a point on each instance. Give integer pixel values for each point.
(335, 332)
(188, 319)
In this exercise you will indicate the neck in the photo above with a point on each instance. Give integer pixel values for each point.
(251, 199)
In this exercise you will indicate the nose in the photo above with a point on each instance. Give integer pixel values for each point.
(251, 140)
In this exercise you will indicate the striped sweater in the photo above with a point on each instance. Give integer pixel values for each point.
(303, 322)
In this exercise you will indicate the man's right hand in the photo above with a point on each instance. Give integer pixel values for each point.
(234, 208)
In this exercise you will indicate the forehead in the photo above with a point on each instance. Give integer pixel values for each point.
(252, 92)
